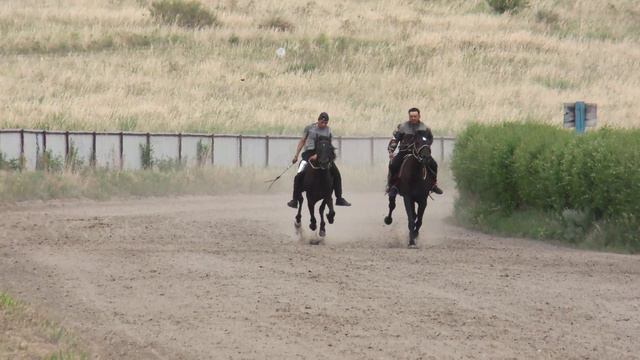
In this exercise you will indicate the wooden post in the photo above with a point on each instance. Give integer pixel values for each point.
(340, 147)
(442, 149)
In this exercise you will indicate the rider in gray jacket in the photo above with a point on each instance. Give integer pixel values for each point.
(308, 141)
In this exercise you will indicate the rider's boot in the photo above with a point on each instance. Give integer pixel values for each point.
(342, 202)
(436, 189)
(337, 187)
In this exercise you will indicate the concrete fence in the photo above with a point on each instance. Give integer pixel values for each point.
(123, 150)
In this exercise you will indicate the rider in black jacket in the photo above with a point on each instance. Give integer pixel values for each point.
(402, 138)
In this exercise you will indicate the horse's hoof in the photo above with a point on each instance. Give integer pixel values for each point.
(313, 227)
(297, 224)
(388, 220)
(322, 233)
(331, 218)
(412, 245)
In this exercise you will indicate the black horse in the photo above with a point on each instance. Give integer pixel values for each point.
(413, 184)
(318, 185)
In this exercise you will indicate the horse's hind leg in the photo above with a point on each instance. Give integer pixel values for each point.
(392, 205)
(422, 205)
(322, 231)
(312, 220)
(411, 219)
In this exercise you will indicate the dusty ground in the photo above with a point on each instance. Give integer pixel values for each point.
(227, 277)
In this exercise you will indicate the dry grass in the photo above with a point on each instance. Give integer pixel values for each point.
(90, 64)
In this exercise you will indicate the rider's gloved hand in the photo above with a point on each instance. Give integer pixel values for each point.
(295, 159)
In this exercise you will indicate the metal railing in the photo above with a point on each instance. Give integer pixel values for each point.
(123, 150)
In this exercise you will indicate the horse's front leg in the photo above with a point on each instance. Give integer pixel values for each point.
(331, 215)
(422, 205)
(299, 214)
(392, 205)
(312, 220)
(322, 231)
(411, 219)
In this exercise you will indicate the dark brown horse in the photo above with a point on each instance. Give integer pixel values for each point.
(318, 185)
(413, 184)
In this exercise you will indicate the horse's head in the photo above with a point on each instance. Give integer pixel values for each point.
(325, 152)
(421, 147)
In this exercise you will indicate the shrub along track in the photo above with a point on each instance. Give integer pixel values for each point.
(226, 277)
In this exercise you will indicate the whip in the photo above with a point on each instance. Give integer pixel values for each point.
(273, 181)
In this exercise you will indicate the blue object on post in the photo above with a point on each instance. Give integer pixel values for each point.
(581, 111)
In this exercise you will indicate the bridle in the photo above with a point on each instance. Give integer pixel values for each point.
(415, 151)
(328, 164)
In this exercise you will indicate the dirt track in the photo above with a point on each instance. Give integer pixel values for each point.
(226, 277)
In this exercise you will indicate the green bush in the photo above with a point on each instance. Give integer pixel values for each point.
(588, 182)
(189, 14)
(502, 6)
(146, 156)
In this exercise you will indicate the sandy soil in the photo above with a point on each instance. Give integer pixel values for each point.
(227, 277)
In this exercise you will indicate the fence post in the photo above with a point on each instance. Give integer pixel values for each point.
(340, 147)
(21, 142)
(44, 149)
(22, 160)
(372, 150)
(266, 157)
(240, 150)
(66, 147)
(93, 160)
(180, 148)
(442, 149)
(121, 141)
(213, 143)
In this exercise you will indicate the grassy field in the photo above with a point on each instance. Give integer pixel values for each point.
(107, 65)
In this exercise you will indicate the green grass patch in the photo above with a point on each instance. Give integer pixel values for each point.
(31, 336)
